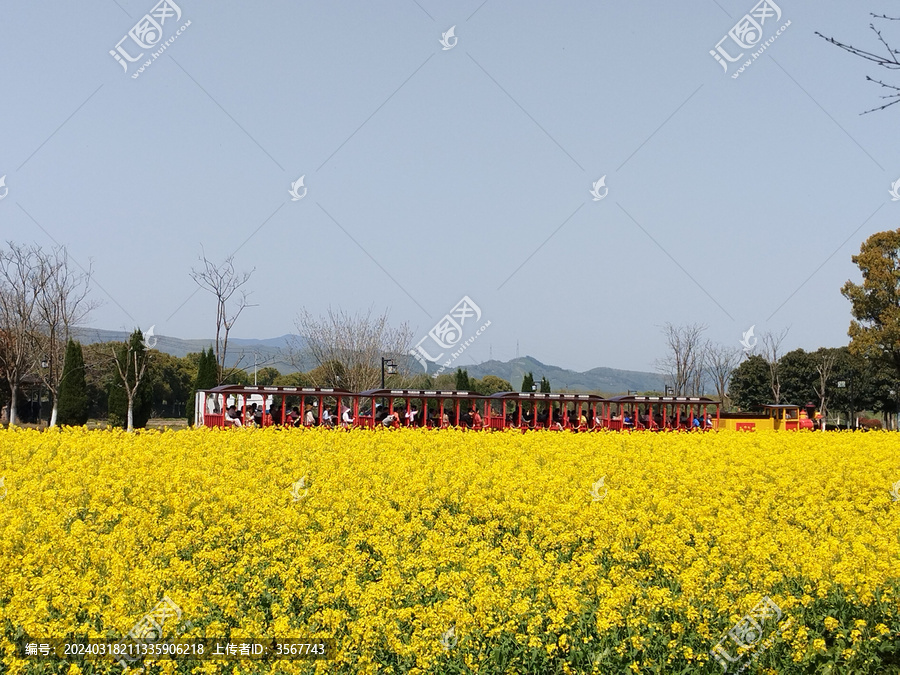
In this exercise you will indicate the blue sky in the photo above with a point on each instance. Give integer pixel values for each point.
(434, 173)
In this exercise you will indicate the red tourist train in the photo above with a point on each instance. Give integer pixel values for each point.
(238, 405)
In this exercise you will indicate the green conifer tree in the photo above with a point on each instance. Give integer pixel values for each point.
(73, 396)
(207, 378)
(528, 382)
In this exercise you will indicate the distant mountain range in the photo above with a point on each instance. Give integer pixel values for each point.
(273, 352)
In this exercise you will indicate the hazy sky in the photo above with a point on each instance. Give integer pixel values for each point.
(433, 173)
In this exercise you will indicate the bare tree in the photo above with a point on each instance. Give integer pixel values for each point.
(824, 367)
(20, 284)
(223, 282)
(350, 347)
(131, 365)
(721, 361)
(772, 354)
(61, 304)
(683, 365)
(888, 61)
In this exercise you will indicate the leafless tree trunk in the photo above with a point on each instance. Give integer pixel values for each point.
(824, 368)
(223, 282)
(131, 368)
(350, 347)
(61, 304)
(772, 354)
(720, 363)
(683, 364)
(20, 284)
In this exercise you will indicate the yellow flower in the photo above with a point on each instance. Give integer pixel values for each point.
(831, 623)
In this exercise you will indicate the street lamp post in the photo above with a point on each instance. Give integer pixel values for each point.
(45, 364)
(391, 368)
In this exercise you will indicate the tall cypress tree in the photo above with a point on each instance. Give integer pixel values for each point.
(462, 380)
(73, 396)
(528, 382)
(207, 378)
(545, 385)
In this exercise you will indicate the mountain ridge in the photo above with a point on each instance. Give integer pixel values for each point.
(272, 352)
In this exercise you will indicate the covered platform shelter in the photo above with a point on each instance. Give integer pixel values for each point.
(657, 413)
(210, 405)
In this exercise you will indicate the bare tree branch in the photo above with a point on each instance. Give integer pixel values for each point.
(888, 61)
(61, 304)
(684, 363)
(223, 282)
(772, 354)
(721, 361)
(348, 348)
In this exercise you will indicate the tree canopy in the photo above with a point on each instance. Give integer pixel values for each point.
(875, 304)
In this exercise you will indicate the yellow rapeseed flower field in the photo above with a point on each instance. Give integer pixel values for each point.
(452, 552)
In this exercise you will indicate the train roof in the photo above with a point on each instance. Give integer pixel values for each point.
(664, 399)
(261, 389)
(419, 393)
(544, 396)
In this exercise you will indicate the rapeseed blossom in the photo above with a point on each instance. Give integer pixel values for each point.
(450, 551)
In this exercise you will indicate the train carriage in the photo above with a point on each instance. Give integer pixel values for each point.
(660, 413)
(541, 410)
(315, 406)
(211, 405)
(782, 417)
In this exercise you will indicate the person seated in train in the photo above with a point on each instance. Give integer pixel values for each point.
(347, 418)
(391, 420)
(627, 420)
(294, 416)
(310, 419)
(445, 420)
(475, 418)
(233, 416)
(543, 417)
(411, 416)
(696, 423)
(327, 421)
